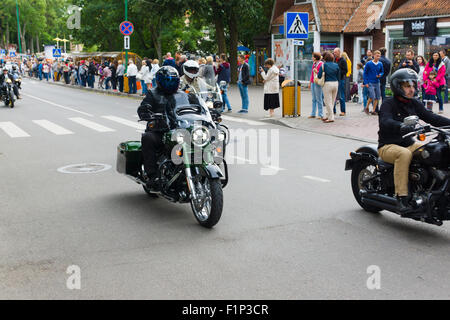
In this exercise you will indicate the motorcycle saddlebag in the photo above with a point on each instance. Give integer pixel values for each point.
(129, 158)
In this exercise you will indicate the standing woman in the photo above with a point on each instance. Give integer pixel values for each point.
(331, 73)
(347, 76)
(422, 63)
(144, 74)
(437, 65)
(271, 86)
(155, 68)
(316, 90)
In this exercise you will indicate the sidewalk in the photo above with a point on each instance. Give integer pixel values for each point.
(354, 125)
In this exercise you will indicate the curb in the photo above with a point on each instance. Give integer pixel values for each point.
(99, 91)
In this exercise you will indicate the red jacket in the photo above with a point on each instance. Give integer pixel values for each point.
(440, 78)
(431, 87)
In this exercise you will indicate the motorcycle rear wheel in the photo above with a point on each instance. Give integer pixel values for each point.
(362, 170)
(209, 215)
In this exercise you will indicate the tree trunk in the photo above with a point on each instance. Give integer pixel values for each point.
(38, 47)
(32, 44)
(220, 29)
(22, 38)
(233, 44)
(7, 36)
(156, 38)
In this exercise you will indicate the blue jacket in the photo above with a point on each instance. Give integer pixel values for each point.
(332, 72)
(170, 62)
(371, 71)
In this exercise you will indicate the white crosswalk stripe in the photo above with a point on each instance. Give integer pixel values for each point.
(92, 125)
(52, 127)
(12, 130)
(132, 124)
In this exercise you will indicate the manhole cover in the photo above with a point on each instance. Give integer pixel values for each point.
(85, 168)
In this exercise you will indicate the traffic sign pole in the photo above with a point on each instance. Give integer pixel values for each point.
(126, 50)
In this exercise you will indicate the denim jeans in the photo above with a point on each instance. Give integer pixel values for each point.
(144, 87)
(447, 79)
(225, 97)
(120, 79)
(383, 91)
(365, 96)
(341, 95)
(132, 85)
(46, 76)
(91, 81)
(107, 81)
(243, 90)
(317, 100)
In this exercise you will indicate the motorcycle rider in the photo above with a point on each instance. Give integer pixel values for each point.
(191, 77)
(5, 75)
(162, 99)
(391, 147)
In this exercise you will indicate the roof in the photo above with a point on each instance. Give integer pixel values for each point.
(335, 14)
(296, 8)
(421, 8)
(361, 19)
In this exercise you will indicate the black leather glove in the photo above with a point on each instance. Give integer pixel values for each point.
(405, 129)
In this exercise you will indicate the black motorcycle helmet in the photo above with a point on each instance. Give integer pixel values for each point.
(168, 79)
(401, 76)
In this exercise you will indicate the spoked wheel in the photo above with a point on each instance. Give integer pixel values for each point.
(208, 207)
(361, 172)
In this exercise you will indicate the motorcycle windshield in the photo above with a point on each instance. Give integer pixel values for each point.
(208, 92)
(188, 114)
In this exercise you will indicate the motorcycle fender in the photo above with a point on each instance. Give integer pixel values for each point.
(212, 171)
(369, 153)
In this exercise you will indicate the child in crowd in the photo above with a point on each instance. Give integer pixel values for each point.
(430, 85)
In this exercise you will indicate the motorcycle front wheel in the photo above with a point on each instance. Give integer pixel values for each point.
(362, 171)
(208, 209)
(11, 100)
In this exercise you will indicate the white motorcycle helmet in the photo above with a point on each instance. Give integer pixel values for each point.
(191, 69)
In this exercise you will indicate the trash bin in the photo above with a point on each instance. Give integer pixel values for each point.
(126, 87)
(288, 93)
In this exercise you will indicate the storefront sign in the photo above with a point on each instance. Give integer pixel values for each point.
(420, 28)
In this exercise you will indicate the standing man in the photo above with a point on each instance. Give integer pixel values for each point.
(91, 74)
(387, 69)
(342, 63)
(243, 82)
(169, 61)
(446, 62)
(373, 71)
(180, 63)
(120, 73)
(224, 74)
(132, 73)
(368, 57)
(409, 62)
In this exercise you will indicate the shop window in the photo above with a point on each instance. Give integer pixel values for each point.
(435, 44)
(398, 45)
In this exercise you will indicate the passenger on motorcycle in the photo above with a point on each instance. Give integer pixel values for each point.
(162, 99)
(392, 148)
(191, 78)
(5, 74)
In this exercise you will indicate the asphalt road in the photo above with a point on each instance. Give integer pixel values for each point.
(296, 234)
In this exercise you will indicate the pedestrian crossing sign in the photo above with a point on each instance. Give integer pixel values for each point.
(296, 25)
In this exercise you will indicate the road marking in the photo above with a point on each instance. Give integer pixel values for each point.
(316, 179)
(251, 122)
(58, 105)
(12, 130)
(263, 165)
(92, 125)
(126, 122)
(52, 127)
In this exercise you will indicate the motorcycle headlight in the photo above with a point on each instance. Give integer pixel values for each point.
(221, 136)
(8, 80)
(200, 137)
(210, 104)
(180, 138)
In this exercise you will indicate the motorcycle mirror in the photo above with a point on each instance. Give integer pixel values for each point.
(223, 83)
(411, 120)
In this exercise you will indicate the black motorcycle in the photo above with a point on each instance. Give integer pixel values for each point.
(429, 174)
(189, 166)
(7, 93)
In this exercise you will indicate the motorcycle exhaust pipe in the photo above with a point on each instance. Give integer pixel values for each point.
(380, 204)
(380, 198)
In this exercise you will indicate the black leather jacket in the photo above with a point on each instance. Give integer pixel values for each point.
(2, 77)
(157, 101)
(391, 116)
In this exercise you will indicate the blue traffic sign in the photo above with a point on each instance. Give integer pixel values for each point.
(296, 25)
(126, 28)
(56, 53)
(12, 53)
(2, 51)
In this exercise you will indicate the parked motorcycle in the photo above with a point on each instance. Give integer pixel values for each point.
(429, 174)
(7, 93)
(188, 167)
